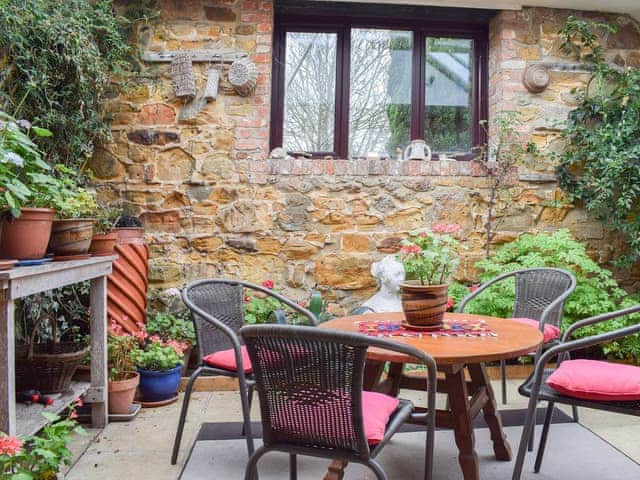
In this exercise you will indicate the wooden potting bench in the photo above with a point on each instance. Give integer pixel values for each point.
(23, 281)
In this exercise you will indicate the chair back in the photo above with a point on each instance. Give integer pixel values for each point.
(537, 288)
(310, 387)
(224, 303)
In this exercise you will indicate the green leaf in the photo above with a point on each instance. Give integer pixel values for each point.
(41, 132)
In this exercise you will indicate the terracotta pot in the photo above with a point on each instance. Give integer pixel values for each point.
(103, 244)
(26, 237)
(424, 305)
(121, 393)
(127, 285)
(71, 236)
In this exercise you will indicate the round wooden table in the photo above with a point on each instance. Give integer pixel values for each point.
(464, 378)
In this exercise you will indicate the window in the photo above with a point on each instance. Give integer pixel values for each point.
(350, 85)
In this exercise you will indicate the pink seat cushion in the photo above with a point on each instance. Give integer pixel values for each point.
(226, 360)
(317, 419)
(376, 410)
(596, 380)
(551, 332)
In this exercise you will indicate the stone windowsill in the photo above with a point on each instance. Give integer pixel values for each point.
(260, 170)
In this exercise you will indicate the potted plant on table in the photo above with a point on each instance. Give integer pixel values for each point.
(104, 237)
(123, 377)
(159, 364)
(429, 257)
(25, 189)
(76, 208)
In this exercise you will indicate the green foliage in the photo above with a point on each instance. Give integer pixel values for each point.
(106, 219)
(318, 305)
(39, 457)
(119, 359)
(67, 198)
(23, 179)
(169, 326)
(596, 291)
(61, 56)
(259, 308)
(157, 357)
(600, 166)
(430, 255)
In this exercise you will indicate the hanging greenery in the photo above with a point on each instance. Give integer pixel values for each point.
(60, 57)
(600, 166)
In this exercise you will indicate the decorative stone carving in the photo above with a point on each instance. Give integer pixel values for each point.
(390, 274)
(243, 75)
(535, 78)
(213, 82)
(184, 81)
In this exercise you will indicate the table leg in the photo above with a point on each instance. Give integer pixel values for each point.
(501, 447)
(336, 470)
(98, 396)
(7, 359)
(456, 388)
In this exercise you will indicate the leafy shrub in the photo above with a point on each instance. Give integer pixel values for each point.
(169, 326)
(596, 291)
(61, 56)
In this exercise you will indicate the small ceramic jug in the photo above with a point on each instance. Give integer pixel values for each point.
(417, 150)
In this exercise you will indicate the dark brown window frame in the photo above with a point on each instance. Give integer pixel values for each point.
(341, 25)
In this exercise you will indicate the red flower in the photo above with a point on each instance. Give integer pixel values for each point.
(450, 303)
(247, 299)
(410, 249)
(10, 445)
(268, 284)
(73, 414)
(79, 402)
(446, 227)
(473, 288)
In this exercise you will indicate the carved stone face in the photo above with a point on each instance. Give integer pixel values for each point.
(390, 273)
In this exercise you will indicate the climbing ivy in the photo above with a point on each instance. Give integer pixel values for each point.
(60, 58)
(600, 165)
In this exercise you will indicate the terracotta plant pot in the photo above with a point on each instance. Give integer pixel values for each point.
(26, 237)
(103, 244)
(121, 393)
(127, 285)
(424, 305)
(71, 236)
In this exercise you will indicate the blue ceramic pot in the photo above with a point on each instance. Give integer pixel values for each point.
(158, 386)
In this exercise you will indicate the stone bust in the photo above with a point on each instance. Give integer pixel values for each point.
(390, 274)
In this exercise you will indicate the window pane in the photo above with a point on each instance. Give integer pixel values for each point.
(380, 92)
(310, 90)
(447, 125)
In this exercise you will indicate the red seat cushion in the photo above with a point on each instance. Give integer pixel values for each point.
(226, 360)
(550, 332)
(300, 418)
(376, 410)
(596, 380)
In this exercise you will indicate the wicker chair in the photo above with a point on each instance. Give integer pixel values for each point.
(540, 295)
(218, 314)
(537, 389)
(310, 382)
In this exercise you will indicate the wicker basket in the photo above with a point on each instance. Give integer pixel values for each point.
(47, 367)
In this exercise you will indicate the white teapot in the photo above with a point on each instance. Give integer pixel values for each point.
(417, 150)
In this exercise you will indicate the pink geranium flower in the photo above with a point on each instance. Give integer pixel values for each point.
(473, 288)
(10, 445)
(445, 228)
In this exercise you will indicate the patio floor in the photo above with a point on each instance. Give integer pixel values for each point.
(141, 449)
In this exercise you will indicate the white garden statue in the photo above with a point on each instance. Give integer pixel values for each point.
(390, 274)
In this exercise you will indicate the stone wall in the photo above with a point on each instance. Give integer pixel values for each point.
(213, 204)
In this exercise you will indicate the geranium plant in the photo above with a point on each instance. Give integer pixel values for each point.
(157, 356)
(39, 457)
(169, 326)
(119, 349)
(430, 255)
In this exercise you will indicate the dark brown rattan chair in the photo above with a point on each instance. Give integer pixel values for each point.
(310, 384)
(537, 389)
(540, 295)
(218, 314)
